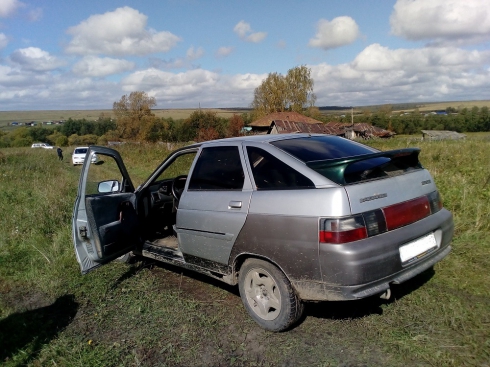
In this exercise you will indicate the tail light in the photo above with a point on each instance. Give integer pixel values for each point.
(400, 215)
(342, 230)
(435, 201)
(374, 222)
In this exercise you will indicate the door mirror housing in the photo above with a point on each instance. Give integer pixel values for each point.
(108, 186)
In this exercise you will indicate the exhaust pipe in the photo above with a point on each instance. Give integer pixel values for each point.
(386, 295)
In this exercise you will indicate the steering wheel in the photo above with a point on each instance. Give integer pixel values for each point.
(178, 185)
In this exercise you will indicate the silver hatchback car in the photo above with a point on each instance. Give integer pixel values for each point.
(288, 218)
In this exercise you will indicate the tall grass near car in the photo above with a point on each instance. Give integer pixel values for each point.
(35, 197)
(128, 316)
(458, 296)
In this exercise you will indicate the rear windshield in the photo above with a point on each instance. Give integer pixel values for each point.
(347, 162)
(319, 148)
(81, 151)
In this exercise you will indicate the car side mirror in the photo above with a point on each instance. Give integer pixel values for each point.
(108, 186)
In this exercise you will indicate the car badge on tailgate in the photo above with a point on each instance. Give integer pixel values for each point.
(374, 197)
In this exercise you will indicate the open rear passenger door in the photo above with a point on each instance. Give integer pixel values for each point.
(105, 221)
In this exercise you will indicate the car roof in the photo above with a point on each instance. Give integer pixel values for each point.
(266, 138)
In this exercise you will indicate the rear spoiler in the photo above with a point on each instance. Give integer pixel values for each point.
(334, 169)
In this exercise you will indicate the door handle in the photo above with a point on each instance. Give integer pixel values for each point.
(235, 205)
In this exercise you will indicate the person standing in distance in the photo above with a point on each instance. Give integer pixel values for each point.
(60, 153)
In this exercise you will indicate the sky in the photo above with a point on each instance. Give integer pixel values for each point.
(65, 55)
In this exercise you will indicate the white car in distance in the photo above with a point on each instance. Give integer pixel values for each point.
(78, 156)
(42, 145)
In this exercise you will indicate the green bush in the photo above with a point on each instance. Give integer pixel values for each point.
(61, 141)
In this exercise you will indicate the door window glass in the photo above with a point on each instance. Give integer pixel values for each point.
(218, 168)
(270, 173)
(104, 170)
(181, 165)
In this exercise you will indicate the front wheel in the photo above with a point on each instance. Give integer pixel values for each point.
(268, 295)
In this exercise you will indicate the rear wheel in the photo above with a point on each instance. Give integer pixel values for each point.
(268, 295)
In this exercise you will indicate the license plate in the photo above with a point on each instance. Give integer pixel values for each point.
(418, 248)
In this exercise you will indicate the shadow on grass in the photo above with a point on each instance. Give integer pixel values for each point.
(334, 310)
(139, 263)
(338, 310)
(25, 333)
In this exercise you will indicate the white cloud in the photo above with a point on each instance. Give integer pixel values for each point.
(180, 62)
(376, 75)
(28, 90)
(93, 66)
(154, 79)
(442, 21)
(224, 51)
(378, 58)
(339, 32)
(35, 14)
(120, 32)
(8, 7)
(194, 87)
(281, 44)
(256, 37)
(242, 28)
(177, 63)
(35, 59)
(3, 41)
(382, 75)
(245, 32)
(194, 54)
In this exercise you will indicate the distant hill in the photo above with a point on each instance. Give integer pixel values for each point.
(428, 106)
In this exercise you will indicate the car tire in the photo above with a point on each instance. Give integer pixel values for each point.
(268, 295)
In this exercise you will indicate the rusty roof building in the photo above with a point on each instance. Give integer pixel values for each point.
(351, 131)
(294, 122)
(263, 124)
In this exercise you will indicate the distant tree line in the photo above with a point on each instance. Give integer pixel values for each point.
(144, 126)
(71, 132)
(204, 125)
(465, 120)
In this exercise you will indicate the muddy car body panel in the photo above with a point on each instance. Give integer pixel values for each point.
(289, 218)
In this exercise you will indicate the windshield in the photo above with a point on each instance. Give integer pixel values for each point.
(318, 148)
(81, 151)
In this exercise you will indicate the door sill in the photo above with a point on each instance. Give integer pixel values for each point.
(162, 253)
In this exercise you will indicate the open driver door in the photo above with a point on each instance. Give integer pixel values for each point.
(105, 221)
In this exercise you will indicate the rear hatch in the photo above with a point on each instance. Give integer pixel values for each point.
(378, 179)
(386, 190)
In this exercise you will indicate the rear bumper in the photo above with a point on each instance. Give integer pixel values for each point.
(368, 267)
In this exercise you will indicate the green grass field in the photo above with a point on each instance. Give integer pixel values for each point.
(148, 314)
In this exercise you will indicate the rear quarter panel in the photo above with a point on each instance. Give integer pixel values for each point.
(282, 226)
